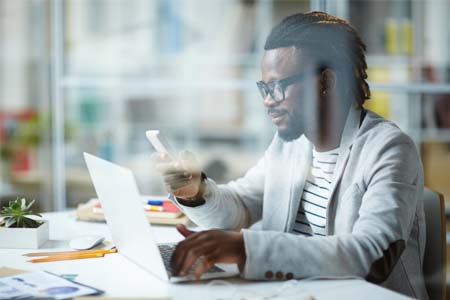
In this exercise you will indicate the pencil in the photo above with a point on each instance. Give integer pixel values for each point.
(100, 251)
(66, 257)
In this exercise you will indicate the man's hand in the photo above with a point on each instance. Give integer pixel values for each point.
(182, 177)
(212, 246)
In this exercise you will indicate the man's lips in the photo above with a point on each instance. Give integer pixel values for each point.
(277, 117)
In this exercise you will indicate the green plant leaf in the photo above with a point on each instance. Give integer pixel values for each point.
(16, 213)
(10, 222)
(14, 205)
(23, 204)
(28, 207)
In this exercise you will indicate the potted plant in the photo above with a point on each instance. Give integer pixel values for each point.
(18, 229)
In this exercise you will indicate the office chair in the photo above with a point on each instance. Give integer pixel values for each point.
(434, 262)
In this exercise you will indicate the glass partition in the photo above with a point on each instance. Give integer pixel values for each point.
(25, 109)
(189, 69)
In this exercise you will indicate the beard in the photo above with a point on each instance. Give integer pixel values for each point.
(294, 127)
(293, 131)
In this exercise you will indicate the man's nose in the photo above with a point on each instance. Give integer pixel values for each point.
(269, 102)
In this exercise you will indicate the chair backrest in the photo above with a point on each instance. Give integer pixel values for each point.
(434, 264)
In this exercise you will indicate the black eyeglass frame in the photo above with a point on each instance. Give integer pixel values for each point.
(269, 87)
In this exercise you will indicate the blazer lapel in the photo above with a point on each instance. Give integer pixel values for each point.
(348, 135)
(301, 163)
(284, 173)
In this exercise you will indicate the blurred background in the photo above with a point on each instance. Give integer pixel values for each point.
(94, 75)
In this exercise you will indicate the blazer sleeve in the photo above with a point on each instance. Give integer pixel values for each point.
(379, 235)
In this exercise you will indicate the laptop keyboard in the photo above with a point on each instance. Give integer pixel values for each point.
(166, 253)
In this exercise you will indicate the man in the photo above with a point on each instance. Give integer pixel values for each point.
(337, 192)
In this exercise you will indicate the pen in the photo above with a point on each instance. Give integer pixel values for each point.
(66, 257)
(100, 251)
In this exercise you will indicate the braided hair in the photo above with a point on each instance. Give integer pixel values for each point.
(329, 42)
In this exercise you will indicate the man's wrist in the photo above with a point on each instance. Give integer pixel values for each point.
(198, 199)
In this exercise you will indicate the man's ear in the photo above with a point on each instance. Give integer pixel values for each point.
(328, 80)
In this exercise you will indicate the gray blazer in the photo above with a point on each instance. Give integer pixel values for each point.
(375, 218)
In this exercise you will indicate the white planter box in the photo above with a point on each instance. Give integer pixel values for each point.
(31, 238)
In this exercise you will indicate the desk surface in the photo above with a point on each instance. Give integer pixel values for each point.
(118, 277)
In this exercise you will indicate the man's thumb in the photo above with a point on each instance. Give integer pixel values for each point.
(183, 230)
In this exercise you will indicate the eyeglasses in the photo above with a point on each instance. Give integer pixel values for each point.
(276, 88)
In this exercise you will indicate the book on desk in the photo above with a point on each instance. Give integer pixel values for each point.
(165, 212)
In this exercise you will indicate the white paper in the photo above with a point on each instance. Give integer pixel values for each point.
(41, 284)
(8, 292)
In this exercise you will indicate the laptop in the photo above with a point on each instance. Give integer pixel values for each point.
(130, 230)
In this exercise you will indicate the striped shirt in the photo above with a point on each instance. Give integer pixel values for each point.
(311, 216)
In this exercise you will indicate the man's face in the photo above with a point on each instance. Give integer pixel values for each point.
(291, 116)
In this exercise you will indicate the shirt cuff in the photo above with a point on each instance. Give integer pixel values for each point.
(208, 196)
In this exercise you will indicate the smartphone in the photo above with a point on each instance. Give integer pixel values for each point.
(159, 143)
